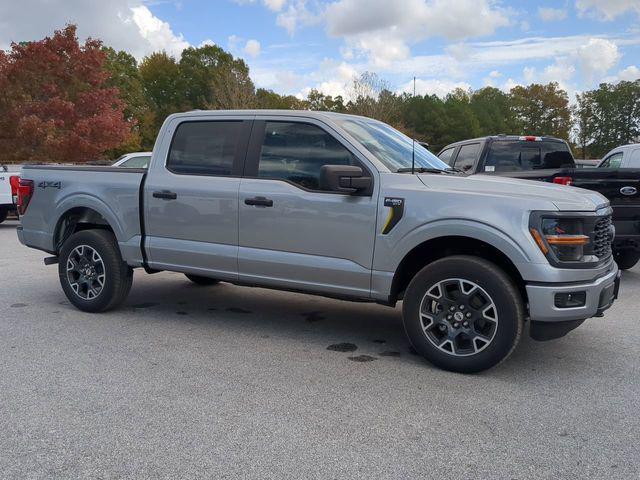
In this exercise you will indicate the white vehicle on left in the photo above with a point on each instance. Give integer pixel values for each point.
(9, 180)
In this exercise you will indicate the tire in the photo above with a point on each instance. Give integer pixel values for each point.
(92, 273)
(3, 215)
(204, 281)
(449, 292)
(626, 259)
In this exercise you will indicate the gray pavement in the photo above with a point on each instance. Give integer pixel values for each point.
(231, 382)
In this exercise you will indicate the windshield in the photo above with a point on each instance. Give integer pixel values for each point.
(391, 147)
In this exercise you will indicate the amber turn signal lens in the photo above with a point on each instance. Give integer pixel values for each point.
(538, 238)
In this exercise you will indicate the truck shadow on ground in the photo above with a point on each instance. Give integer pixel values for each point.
(362, 332)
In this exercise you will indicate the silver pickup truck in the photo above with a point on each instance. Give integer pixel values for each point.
(334, 205)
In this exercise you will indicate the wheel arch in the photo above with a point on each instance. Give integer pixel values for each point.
(76, 219)
(440, 247)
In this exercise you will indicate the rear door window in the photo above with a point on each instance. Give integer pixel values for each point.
(518, 155)
(467, 156)
(204, 147)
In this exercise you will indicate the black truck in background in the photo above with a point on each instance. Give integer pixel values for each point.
(549, 159)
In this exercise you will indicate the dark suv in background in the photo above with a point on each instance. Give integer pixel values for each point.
(550, 159)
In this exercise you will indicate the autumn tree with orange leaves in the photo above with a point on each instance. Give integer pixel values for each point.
(55, 102)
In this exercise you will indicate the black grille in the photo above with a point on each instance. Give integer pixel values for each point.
(602, 237)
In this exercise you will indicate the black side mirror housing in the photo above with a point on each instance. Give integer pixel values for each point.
(344, 179)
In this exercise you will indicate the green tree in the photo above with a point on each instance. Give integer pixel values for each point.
(541, 110)
(268, 99)
(607, 117)
(319, 101)
(492, 108)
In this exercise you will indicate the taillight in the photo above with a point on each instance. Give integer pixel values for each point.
(563, 180)
(25, 192)
(14, 181)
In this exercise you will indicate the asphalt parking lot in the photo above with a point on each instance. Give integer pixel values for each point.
(232, 382)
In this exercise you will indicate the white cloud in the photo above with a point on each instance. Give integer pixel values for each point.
(275, 5)
(252, 48)
(383, 30)
(548, 14)
(433, 86)
(207, 43)
(628, 74)
(297, 14)
(157, 33)
(122, 24)
(606, 9)
(597, 56)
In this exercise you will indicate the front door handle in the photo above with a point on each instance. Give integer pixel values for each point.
(165, 194)
(259, 202)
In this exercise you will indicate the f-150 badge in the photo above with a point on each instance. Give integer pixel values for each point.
(396, 211)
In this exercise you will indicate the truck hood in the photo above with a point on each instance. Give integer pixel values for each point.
(564, 198)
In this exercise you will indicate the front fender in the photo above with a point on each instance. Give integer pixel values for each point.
(389, 254)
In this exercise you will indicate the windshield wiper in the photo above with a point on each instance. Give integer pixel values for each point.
(423, 170)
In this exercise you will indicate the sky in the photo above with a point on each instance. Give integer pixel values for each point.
(292, 46)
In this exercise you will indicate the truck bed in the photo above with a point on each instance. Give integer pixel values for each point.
(111, 192)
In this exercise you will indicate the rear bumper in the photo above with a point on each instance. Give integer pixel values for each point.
(600, 295)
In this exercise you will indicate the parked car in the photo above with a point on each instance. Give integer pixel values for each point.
(8, 190)
(334, 205)
(550, 159)
(625, 156)
(134, 160)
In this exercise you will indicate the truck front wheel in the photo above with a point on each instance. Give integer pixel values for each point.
(463, 314)
(92, 273)
(626, 259)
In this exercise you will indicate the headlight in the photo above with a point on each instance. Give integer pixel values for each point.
(561, 238)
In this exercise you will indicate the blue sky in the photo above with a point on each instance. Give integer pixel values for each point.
(294, 45)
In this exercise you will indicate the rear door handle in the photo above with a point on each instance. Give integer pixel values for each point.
(259, 202)
(165, 194)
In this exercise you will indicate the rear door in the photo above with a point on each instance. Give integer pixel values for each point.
(292, 234)
(191, 196)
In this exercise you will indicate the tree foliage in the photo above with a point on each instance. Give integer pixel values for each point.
(62, 101)
(55, 101)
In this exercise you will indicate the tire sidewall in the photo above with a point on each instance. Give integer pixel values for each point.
(101, 242)
(495, 282)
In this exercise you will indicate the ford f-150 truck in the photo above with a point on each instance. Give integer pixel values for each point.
(334, 205)
(549, 159)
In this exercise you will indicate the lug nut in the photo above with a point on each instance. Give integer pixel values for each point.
(452, 308)
(456, 325)
(468, 314)
(449, 317)
(465, 324)
(461, 307)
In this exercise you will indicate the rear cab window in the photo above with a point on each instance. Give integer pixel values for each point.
(523, 155)
(207, 147)
(612, 161)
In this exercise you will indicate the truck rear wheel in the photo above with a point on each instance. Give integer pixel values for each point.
(626, 259)
(463, 314)
(197, 279)
(92, 273)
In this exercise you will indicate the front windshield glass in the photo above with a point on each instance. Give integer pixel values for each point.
(392, 148)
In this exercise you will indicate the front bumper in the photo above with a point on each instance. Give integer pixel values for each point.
(600, 295)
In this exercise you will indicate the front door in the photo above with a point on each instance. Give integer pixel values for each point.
(292, 234)
(191, 201)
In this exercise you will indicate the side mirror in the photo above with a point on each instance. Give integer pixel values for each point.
(343, 178)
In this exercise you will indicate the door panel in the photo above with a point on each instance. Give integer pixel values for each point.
(306, 239)
(191, 204)
(309, 240)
